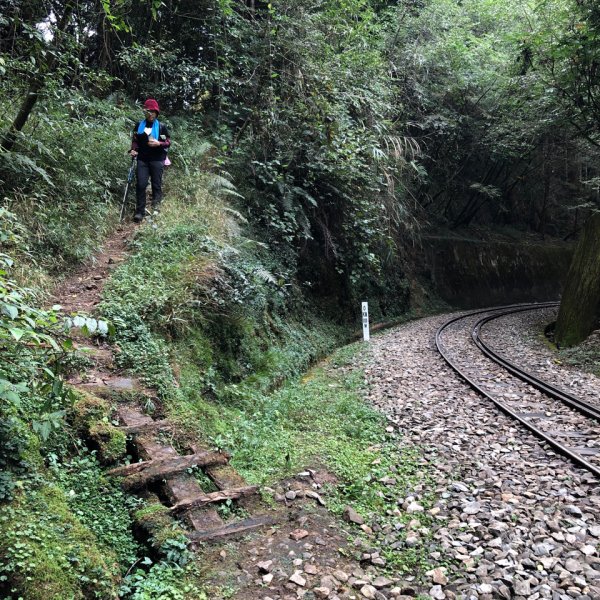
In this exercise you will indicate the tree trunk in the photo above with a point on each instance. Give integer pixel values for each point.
(35, 87)
(580, 306)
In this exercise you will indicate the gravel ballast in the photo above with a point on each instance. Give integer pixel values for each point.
(512, 518)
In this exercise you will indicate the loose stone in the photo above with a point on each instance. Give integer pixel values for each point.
(368, 591)
(298, 579)
(298, 534)
(352, 516)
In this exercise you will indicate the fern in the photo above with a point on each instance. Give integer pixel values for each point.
(19, 163)
(236, 213)
(219, 184)
(265, 276)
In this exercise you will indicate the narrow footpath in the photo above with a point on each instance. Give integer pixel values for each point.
(290, 547)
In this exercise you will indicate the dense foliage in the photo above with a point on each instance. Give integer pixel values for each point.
(347, 123)
(313, 141)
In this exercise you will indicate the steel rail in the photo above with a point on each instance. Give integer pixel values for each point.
(547, 388)
(561, 448)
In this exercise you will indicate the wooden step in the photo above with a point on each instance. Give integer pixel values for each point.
(139, 474)
(241, 527)
(203, 519)
(182, 486)
(160, 425)
(136, 422)
(188, 499)
(205, 499)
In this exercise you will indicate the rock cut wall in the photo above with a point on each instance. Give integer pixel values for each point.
(476, 273)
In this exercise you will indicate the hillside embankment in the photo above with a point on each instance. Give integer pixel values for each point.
(209, 332)
(470, 272)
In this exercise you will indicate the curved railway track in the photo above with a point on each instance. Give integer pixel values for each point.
(563, 415)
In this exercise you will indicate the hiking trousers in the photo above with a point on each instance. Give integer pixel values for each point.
(153, 170)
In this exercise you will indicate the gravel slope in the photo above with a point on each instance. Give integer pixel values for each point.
(518, 520)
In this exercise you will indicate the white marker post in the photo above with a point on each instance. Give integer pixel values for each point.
(365, 321)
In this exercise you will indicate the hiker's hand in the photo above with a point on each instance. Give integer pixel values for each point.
(133, 153)
(153, 143)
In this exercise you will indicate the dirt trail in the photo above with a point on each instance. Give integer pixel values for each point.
(81, 291)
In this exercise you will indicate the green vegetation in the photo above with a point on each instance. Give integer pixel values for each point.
(313, 142)
(48, 553)
(197, 291)
(59, 185)
(321, 421)
(586, 356)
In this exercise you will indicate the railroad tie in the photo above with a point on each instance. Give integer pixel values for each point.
(186, 497)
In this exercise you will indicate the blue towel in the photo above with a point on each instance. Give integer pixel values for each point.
(155, 128)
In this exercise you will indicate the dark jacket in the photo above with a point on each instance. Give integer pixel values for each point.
(139, 142)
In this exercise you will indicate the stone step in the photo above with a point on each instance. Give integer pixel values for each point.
(105, 386)
(149, 448)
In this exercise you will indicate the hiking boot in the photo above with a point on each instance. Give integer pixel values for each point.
(138, 218)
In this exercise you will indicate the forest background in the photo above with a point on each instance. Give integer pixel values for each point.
(315, 142)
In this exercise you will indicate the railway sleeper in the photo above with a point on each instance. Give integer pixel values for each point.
(181, 492)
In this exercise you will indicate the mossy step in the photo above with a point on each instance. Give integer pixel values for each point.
(131, 416)
(160, 425)
(138, 475)
(108, 386)
(225, 477)
(101, 356)
(188, 499)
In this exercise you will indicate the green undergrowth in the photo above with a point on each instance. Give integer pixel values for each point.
(61, 186)
(321, 420)
(64, 542)
(69, 534)
(195, 290)
(585, 356)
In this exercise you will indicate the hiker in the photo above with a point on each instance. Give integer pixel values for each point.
(149, 143)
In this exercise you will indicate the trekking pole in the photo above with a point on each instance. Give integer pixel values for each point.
(127, 186)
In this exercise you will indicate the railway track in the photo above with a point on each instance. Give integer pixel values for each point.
(567, 423)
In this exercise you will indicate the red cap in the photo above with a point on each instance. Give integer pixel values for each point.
(151, 104)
